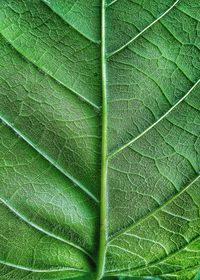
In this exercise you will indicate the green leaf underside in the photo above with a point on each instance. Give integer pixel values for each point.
(99, 139)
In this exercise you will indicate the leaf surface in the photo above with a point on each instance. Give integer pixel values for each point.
(99, 139)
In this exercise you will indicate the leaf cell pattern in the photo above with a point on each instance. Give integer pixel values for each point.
(100, 139)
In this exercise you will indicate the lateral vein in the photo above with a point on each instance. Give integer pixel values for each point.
(23, 218)
(150, 214)
(40, 270)
(111, 3)
(164, 258)
(145, 29)
(60, 16)
(50, 160)
(85, 100)
(155, 123)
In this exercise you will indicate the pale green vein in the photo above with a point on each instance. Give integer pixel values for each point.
(104, 199)
(46, 232)
(155, 123)
(170, 274)
(190, 269)
(80, 97)
(40, 270)
(152, 213)
(164, 259)
(111, 3)
(82, 34)
(128, 252)
(50, 160)
(145, 29)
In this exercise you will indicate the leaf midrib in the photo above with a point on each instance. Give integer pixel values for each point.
(103, 196)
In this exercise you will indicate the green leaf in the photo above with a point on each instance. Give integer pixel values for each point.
(99, 139)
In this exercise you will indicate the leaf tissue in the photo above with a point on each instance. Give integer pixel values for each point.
(99, 139)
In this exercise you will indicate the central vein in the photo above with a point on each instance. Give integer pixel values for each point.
(103, 199)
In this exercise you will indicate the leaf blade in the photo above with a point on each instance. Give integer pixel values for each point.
(115, 121)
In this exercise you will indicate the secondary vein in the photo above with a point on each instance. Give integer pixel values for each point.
(162, 260)
(111, 3)
(146, 28)
(85, 100)
(60, 16)
(150, 214)
(155, 123)
(40, 270)
(49, 159)
(40, 229)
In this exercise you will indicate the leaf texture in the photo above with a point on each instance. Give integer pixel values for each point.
(99, 139)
